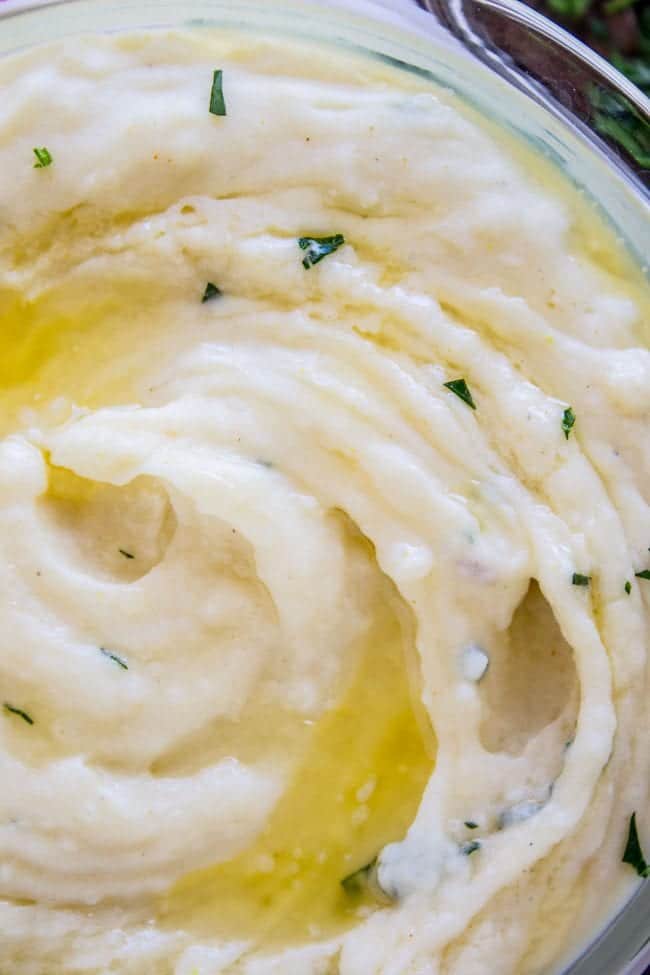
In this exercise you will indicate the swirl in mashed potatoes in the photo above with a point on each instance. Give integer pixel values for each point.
(322, 648)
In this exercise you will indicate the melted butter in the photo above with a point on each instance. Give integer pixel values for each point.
(38, 357)
(29, 340)
(357, 788)
(91, 352)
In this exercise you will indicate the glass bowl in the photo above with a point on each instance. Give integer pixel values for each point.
(517, 69)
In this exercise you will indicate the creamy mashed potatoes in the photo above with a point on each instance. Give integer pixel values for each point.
(322, 648)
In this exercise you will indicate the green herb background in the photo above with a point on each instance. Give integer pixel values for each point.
(618, 29)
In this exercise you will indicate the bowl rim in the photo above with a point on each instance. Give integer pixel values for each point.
(527, 16)
(620, 92)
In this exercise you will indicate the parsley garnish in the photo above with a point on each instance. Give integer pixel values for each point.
(471, 847)
(114, 657)
(211, 291)
(127, 555)
(645, 574)
(471, 825)
(43, 158)
(316, 248)
(461, 389)
(633, 853)
(217, 101)
(579, 580)
(21, 714)
(568, 420)
(628, 586)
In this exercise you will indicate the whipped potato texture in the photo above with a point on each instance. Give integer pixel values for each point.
(323, 522)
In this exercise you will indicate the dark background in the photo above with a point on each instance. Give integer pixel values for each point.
(618, 29)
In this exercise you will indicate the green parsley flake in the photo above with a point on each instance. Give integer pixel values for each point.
(471, 847)
(568, 421)
(211, 291)
(127, 555)
(633, 853)
(580, 580)
(645, 574)
(43, 158)
(628, 586)
(114, 657)
(217, 101)
(461, 389)
(470, 824)
(18, 711)
(316, 248)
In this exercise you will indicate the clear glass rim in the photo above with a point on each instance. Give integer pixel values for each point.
(516, 10)
(520, 12)
(458, 16)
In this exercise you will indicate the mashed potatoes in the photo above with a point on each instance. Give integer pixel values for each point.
(323, 486)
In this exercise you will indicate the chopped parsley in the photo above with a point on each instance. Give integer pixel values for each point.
(633, 853)
(471, 825)
(645, 574)
(628, 587)
(18, 711)
(114, 657)
(461, 389)
(43, 158)
(316, 248)
(580, 580)
(568, 421)
(211, 291)
(127, 555)
(217, 101)
(471, 847)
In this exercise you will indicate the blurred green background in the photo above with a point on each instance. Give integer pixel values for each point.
(618, 29)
